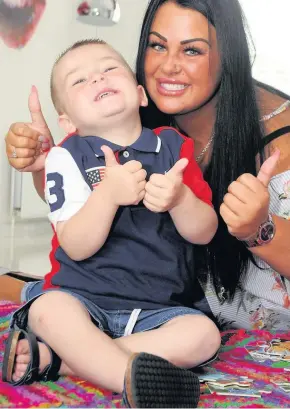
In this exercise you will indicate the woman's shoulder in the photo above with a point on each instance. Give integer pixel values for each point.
(275, 114)
(274, 108)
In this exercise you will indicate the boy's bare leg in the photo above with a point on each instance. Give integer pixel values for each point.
(91, 354)
(185, 341)
(10, 289)
(63, 322)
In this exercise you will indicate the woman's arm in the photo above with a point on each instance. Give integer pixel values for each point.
(277, 252)
(243, 217)
(38, 181)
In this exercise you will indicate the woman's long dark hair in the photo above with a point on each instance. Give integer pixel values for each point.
(238, 131)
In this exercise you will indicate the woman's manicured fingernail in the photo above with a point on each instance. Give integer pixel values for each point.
(45, 146)
(42, 138)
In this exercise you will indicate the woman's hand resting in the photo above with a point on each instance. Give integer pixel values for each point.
(29, 141)
(246, 205)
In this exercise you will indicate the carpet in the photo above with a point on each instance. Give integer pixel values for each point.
(234, 360)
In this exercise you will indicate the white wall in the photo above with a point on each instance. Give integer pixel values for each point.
(268, 21)
(20, 69)
(31, 65)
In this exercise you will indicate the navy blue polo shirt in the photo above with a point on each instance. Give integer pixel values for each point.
(144, 262)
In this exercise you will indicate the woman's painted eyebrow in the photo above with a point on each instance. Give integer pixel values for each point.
(190, 40)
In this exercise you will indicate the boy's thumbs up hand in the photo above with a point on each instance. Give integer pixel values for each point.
(110, 158)
(177, 170)
(163, 192)
(125, 183)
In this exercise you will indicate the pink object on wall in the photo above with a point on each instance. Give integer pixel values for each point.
(19, 20)
(84, 9)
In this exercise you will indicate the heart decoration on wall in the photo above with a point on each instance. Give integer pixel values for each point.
(19, 20)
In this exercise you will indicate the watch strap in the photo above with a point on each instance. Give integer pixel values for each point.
(259, 239)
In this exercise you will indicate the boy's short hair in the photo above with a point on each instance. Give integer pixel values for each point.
(78, 44)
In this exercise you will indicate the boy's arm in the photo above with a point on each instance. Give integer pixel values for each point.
(82, 218)
(194, 216)
(195, 220)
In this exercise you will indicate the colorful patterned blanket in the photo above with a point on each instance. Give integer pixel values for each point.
(234, 360)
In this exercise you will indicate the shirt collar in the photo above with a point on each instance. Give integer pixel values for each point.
(148, 141)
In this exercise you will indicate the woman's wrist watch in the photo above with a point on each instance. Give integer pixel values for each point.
(265, 234)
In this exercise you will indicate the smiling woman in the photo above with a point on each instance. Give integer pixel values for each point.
(195, 63)
(183, 48)
(18, 20)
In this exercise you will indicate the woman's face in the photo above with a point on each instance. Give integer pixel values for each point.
(182, 64)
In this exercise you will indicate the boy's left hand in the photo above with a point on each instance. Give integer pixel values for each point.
(163, 192)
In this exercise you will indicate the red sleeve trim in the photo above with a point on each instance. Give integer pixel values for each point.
(158, 131)
(192, 176)
(55, 266)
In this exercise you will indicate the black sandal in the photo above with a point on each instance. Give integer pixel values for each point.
(50, 372)
(23, 277)
(152, 382)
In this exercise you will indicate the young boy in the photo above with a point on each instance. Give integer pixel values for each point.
(123, 261)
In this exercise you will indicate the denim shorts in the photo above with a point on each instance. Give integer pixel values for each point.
(116, 323)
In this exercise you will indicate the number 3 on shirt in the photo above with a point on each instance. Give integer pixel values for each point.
(55, 192)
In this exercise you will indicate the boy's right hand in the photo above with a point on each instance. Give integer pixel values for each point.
(29, 141)
(126, 183)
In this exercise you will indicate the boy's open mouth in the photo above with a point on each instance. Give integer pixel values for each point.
(105, 93)
(18, 20)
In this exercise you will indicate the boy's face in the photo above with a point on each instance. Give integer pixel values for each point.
(95, 87)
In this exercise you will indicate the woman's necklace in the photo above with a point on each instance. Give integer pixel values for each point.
(205, 149)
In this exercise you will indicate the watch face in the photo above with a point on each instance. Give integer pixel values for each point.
(267, 232)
